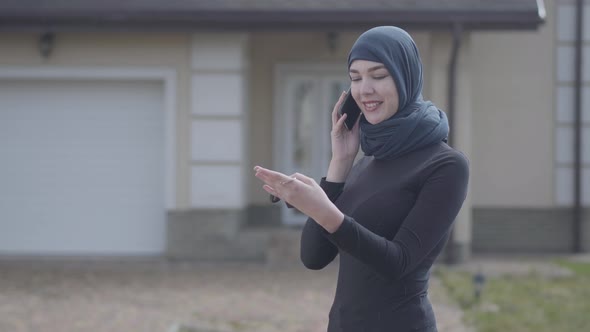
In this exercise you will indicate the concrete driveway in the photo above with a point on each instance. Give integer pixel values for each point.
(157, 295)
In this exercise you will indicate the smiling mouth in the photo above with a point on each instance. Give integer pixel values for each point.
(369, 107)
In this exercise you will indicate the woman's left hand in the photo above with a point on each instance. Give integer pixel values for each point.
(304, 194)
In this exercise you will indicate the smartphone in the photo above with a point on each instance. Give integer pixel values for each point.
(351, 109)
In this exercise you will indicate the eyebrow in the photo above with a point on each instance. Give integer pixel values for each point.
(354, 71)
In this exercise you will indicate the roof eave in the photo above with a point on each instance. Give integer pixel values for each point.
(261, 20)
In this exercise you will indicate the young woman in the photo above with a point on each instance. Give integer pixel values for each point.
(389, 215)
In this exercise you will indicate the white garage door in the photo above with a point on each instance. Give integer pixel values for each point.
(81, 167)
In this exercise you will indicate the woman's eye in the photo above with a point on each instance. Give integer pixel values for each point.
(380, 77)
(354, 79)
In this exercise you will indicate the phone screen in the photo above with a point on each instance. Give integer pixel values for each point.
(352, 110)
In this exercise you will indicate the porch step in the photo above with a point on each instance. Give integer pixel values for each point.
(246, 245)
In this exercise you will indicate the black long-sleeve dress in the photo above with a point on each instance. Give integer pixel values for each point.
(398, 214)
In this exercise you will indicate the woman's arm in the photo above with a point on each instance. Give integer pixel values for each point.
(429, 221)
(316, 250)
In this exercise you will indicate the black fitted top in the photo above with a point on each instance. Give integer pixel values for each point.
(398, 214)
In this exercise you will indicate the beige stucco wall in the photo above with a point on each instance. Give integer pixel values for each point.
(512, 94)
(125, 50)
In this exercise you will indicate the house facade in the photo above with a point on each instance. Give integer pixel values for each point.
(131, 129)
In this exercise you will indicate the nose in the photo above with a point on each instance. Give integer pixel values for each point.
(366, 87)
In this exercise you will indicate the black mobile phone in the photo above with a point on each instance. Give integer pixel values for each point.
(351, 109)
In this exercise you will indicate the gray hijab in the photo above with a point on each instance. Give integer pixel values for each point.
(417, 123)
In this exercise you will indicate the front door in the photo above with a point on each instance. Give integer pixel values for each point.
(306, 97)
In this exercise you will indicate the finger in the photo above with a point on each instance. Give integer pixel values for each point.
(287, 181)
(340, 122)
(270, 190)
(303, 178)
(259, 169)
(273, 178)
(269, 176)
(339, 125)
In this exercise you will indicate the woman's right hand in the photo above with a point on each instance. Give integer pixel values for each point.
(345, 144)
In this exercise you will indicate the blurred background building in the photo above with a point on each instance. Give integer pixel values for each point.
(130, 128)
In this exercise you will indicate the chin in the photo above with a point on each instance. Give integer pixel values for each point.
(373, 120)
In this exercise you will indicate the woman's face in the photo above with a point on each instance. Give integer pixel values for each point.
(374, 90)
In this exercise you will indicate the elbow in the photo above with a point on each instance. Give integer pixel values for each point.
(311, 262)
(398, 261)
(313, 265)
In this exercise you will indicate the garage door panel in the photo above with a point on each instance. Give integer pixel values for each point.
(82, 167)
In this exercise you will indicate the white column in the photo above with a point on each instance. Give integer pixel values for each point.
(440, 51)
(462, 126)
(218, 120)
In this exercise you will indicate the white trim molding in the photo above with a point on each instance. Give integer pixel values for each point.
(218, 109)
(165, 75)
